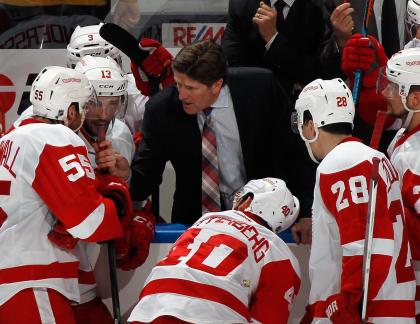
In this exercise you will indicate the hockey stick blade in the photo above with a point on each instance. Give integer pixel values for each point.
(124, 41)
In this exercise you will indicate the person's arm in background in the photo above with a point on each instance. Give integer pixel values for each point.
(234, 37)
(339, 26)
(296, 57)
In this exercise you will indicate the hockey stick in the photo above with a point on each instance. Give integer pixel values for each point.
(112, 260)
(370, 220)
(370, 223)
(129, 45)
(358, 74)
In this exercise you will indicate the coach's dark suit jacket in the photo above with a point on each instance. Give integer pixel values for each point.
(294, 53)
(268, 145)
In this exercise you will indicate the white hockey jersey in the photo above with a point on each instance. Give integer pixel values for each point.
(45, 173)
(122, 142)
(226, 268)
(339, 220)
(405, 157)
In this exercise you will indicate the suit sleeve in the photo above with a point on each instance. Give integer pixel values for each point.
(272, 301)
(65, 181)
(231, 43)
(149, 162)
(345, 195)
(296, 57)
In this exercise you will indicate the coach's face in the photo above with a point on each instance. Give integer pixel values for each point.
(194, 95)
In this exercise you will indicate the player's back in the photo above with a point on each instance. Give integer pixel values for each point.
(212, 271)
(339, 216)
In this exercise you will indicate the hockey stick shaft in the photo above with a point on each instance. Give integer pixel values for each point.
(370, 224)
(358, 74)
(112, 261)
(378, 129)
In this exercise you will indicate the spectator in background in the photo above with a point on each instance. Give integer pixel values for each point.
(252, 275)
(246, 135)
(284, 36)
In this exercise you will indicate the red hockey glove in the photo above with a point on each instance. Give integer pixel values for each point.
(115, 188)
(365, 54)
(339, 310)
(159, 58)
(368, 55)
(60, 237)
(308, 317)
(157, 64)
(133, 248)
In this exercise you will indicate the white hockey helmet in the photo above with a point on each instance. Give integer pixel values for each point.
(401, 73)
(56, 88)
(108, 79)
(272, 201)
(328, 101)
(412, 18)
(87, 41)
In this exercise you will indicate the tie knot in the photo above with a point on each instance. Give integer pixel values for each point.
(279, 5)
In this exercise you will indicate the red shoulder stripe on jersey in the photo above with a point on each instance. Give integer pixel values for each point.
(406, 135)
(350, 139)
(196, 290)
(65, 270)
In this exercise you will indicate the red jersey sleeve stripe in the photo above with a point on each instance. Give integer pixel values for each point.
(65, 270)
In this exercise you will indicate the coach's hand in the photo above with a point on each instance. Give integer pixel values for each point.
(302, 231)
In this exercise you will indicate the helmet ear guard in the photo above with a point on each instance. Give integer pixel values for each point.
(271, 201)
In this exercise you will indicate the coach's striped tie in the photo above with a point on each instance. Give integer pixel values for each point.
(210, 195)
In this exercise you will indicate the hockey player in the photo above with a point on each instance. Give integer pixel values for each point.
(116, 150)
(229, 267)
(412, 24)
(87, 41)
(325, 112)
(46, 175)
(402, 91)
